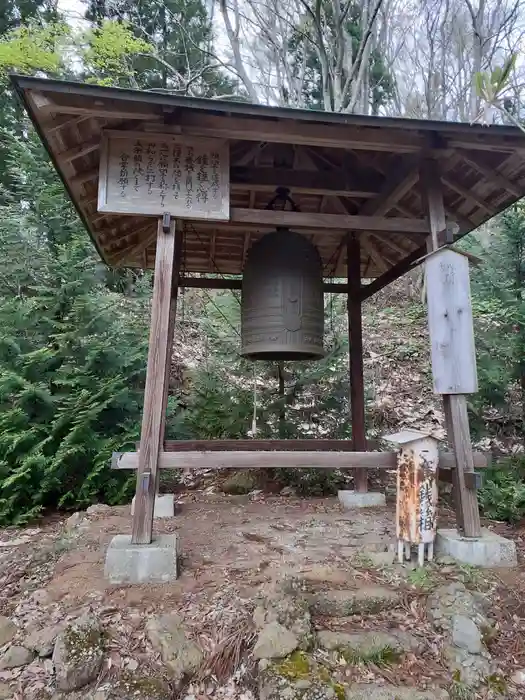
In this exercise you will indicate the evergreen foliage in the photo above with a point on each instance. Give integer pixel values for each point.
(72, 354)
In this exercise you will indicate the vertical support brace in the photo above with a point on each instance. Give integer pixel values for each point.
(167, 266)
(355, 352)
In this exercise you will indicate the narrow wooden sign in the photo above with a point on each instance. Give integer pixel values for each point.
(142, 173)
(450, 323)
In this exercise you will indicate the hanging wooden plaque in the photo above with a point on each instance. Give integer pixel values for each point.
(450, 323)
(150, 174)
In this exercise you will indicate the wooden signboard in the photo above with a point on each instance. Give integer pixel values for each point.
(151, 174)
(450, 323)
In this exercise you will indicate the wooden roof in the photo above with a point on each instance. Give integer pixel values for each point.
(345, 173)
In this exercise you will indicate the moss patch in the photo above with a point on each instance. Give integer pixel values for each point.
(294, 667)
(146, 687)
(298, 666)
(82, 641)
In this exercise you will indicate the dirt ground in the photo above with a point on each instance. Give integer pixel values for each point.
(231, 546)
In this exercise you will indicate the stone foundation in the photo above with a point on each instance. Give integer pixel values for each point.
(489, 550)
(141, 563)
(354, 499)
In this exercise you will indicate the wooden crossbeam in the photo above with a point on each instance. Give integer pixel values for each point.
(491, 175)
(278, 458)
(393, 190)
(78, 151)
(469, 195)
(297, 132)
(295, 219)
(335, 183)
(109, 109)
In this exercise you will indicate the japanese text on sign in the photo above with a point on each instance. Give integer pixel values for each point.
(151, 174)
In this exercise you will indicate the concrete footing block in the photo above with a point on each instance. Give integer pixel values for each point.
(141, 563)
(164, 506)
(489, 550)
(353, 499)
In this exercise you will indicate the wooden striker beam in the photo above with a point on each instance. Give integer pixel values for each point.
(157, 374)
(455, 405)
(355, 353)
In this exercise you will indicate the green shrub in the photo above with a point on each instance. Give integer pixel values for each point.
(502, 496)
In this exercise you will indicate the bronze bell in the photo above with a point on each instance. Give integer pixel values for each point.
(282, 314)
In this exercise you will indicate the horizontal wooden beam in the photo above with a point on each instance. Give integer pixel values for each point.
(297, 219)
(291, 445)
(330, 183)
(218, 283)
(334, 183)
(108, 109)
(298, 132)
(261, 459)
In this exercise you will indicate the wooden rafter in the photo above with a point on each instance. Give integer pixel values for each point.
(490, 174)
(469, 195)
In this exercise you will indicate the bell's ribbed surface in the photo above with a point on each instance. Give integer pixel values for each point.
(282, 314)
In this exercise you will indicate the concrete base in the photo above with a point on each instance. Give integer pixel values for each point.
(352, 499)
(164, 506)
(141, 563)
(489, 550)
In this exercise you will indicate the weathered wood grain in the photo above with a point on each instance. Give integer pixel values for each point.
(152, 432)
(450, 323)
(267, 459)
(455, 405)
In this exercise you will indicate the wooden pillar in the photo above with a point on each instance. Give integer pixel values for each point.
(167, 266)
(455, 405)
(355, 356)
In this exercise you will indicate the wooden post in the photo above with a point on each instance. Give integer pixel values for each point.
(455, 404)
(355, 355)
(167, 264)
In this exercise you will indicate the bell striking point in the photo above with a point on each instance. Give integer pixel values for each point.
(282, 310)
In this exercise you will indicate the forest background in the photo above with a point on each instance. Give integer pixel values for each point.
(74, 341)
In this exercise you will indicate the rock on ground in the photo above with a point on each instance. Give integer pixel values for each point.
(341, 603)
(460, 613)
(454, 599)
(470, 669)
(42, 641)
(365, 691)
(274, 642)
(240, 483)
(168, 636)
(16, 656)
(466, 635)
(74, 520)
(5, 691)
(7, 630)
(290, 611)
(518, 678)
(98, 508)
(365, 643)
(78, 654)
